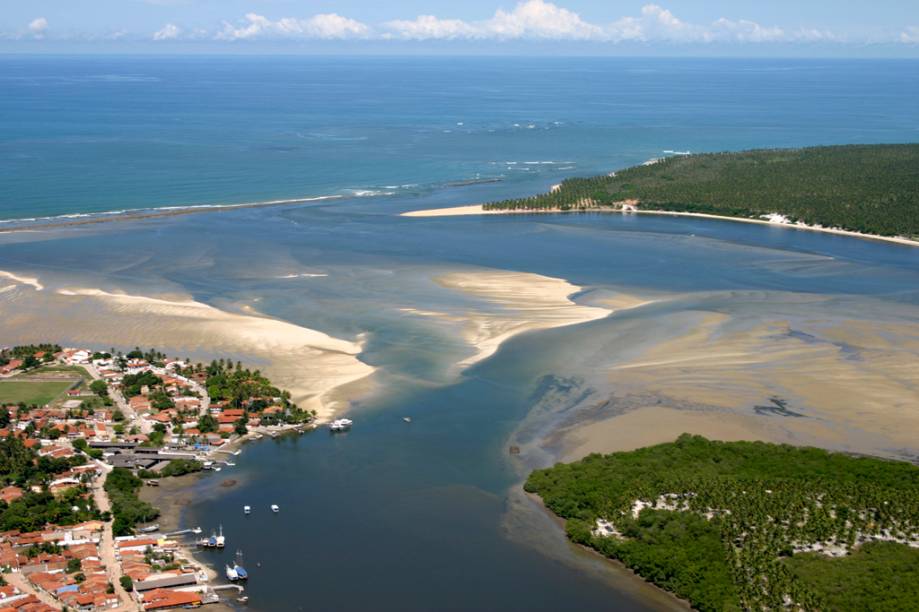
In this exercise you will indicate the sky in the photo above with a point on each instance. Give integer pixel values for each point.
(881, 28)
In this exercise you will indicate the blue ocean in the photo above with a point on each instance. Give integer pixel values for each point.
(92, 134)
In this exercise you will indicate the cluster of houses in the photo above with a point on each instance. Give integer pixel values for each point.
(63, 562)
(161, 579)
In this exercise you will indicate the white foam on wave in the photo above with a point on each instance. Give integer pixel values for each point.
(305, 275)
(167, 209)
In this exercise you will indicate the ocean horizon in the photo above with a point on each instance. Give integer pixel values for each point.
(86, 135)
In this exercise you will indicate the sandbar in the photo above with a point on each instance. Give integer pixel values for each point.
(479, 209)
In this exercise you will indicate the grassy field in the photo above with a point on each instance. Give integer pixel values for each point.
(38, 392)
(58, 371)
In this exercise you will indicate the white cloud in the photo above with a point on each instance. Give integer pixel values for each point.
(910, 35)
(427, 27)
(170, 31)
(38, 26)
(529, 19)
(325, 26)
(539, 19)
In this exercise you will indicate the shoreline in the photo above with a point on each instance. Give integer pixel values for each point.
(478, 209)
(560, 523)
(78, 219)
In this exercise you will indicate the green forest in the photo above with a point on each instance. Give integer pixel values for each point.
(727, 525)
(865, 188)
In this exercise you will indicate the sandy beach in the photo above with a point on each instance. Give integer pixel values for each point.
(479, 209)
(310, 364)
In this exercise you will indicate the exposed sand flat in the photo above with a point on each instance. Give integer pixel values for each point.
(309, 363)
(515, 302)
(655, 425)
(22, 280)
(478, 209)
(840, 382)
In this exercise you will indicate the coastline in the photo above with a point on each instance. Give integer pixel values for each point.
(77, 219)
(478, 209)
(181, 324)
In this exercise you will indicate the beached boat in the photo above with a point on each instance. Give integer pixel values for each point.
(247, 510)
(275, 508)
(149, 529)
(341, 425)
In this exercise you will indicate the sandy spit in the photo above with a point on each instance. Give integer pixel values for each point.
(312, 365)
(514, 303)
(478, 209)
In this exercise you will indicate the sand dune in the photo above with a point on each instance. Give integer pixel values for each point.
(309, 363)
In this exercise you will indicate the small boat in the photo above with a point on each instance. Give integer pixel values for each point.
(340, 425)
(241, 573)
(149, 529)
(407, 419)
(232, 574)
(220, 541)
(230, 464)
(247, 510)
(210, 542)
(275, 508)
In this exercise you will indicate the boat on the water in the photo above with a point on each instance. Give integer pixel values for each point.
(220, 541)
(340, 425)
(407, 419)
(247, 510)
(236, 571)
(275, 508)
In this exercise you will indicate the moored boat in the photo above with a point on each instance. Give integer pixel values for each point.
(340, 425)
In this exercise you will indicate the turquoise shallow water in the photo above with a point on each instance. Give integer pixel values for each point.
(419, 516)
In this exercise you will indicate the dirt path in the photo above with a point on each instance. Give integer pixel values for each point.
(19, 581)
(107, 547)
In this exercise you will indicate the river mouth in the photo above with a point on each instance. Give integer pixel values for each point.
(648, 330)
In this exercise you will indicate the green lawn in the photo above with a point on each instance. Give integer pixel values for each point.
(58, 370)
(31, 392)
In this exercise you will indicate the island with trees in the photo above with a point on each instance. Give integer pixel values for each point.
(872, 189)
(748, 525)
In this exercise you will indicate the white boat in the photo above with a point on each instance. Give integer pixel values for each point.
(274, 508)
(407, 419)
(220, 541)
(232, 574)
(247, 510)
(341, 425)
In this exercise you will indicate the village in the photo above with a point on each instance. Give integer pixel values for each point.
(81, 432)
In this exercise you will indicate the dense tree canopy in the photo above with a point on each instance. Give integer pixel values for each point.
(722, 519)
(865, 188)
